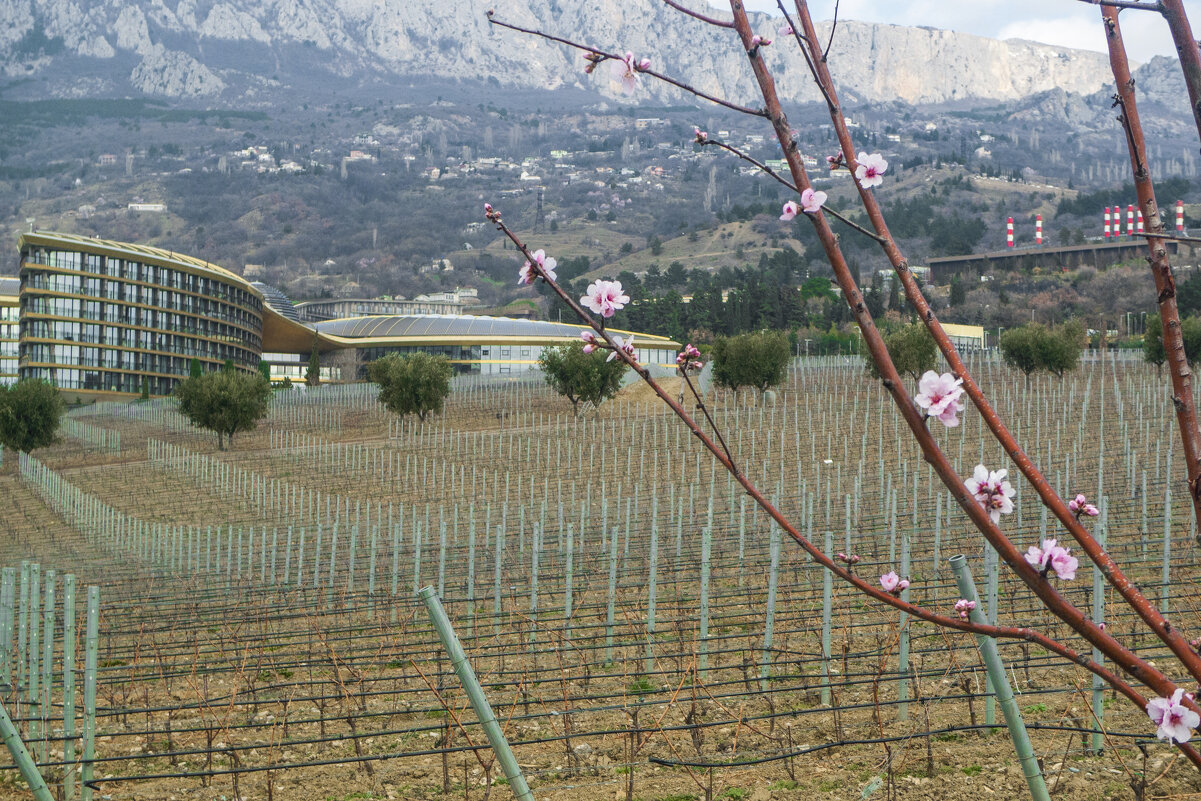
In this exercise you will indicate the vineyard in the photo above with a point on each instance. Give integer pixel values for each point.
(640, 629)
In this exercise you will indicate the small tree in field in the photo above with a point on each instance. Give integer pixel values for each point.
(1153, 352)
(1059, 349)
(312, 376)
(414, 384)
(757, 360)
(227, 401)
(912, 350)
(30, 411)
(1190, 334)
(581, 377)
(1019, 348)
(1034, 347)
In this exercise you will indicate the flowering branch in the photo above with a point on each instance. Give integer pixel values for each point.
(1050, 597)
(703, 138)
(1161, 268)
(596, 55)
(1126, 588)
(867, 169)
(883, 594)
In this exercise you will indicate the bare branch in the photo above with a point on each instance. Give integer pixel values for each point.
(833, 27)
(719, 23)
(1132, 4)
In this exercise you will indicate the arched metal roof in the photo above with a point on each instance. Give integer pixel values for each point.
(466, 326)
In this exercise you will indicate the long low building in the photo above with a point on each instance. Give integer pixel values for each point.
(104, 318)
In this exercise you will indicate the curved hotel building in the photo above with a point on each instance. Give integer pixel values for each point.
(98, 317)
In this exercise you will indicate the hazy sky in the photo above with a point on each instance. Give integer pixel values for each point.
(1060, 22)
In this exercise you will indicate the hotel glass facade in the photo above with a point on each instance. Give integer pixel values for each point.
(10, 313)
(100, 316)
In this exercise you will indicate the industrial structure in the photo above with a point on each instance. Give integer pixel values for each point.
(103, 318)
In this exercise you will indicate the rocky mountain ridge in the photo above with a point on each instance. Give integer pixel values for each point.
(227, 52)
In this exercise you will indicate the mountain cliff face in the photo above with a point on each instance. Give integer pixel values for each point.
(239, 51)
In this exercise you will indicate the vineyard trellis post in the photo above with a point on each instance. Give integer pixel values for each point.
(996, 671)
(475, 694)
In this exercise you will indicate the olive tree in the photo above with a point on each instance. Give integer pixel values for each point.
(414, 384)
(758, 360)
(227, 402)
(30, 411)
(581, 377)
(1034, 347)
(912, 350)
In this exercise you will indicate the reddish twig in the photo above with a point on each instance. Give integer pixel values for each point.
(876, 593)
(1050, 597)
(1113, 573)
(1161, 268)
(1190, 53)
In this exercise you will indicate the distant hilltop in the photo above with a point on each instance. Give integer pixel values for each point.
(226, 52)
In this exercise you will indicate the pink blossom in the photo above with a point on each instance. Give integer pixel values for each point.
(527, 275)
(758, 40)
(963, 606)
(851, 559)
(784, 30)
(939, 396)
(1064, 564)
(1081, 506)
(1052, 556)
(590, 340)
(1196, 643)
(992, 491)
(1175, 721)
(835, 161)
(701, 136)
(791, 209)
(893, 583)
(626, 71)
(687, 358)
(627, 345)
(871, 168)
(812, 201)
(605, 297)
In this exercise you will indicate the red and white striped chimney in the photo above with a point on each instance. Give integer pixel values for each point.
(1009, 232)
(1140, 221)
(1180, 216)
(1038, 229)
(1106, 234)
(1130, 221)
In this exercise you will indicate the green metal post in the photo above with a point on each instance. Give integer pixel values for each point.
(69, 687)
(827, 601)
(483, 710)
(20, 754)
(91, 649)
(1009, 706)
